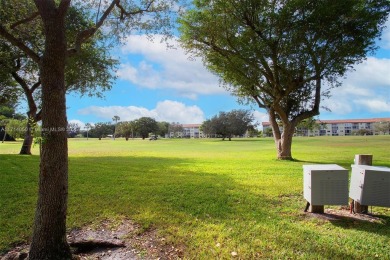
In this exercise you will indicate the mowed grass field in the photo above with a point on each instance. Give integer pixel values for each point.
(209, 196)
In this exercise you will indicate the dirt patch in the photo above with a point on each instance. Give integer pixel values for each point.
(344, 213)
(113, 240)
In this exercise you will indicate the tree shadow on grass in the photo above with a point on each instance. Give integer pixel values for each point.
(340, 162)
(246, 140)
(370, 223)
(167, 193)
(163, 193)
(18, 192)
(128, 185)
(318, 162)
(162, 186)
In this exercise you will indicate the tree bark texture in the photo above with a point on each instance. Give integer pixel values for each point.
(49, 234)
(27, 142)
(283, 140)
(33, 118)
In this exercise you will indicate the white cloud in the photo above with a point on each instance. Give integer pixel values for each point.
(127, 72)
(338, 104)
(365, 89)
(170, 111)
(260, 117)
(76, 121)
(373, 72)
(125, 113)
(166, 68)
(374, 105)
(173, 111)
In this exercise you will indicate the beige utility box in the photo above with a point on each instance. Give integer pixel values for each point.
(370, 185)
(325, 184)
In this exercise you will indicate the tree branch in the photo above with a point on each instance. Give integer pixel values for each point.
(139, 11)
(26, 20)
(317, 98)
(316, 108)
(18, 64)
(21, 81)
(38, 117)
(253, 27)
(274, 124)
(88, 33)
(259, 103)
(18, 43)
(28, 92)
(280, 111)
(263, 99)
(35, 86)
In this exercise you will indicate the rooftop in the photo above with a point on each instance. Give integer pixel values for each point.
(190, 125)
(344, 121)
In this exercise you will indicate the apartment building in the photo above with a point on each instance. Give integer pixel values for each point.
(189, 131)
(192, 131)
(339, 127)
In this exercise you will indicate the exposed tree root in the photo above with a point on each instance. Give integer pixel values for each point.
(86, 245)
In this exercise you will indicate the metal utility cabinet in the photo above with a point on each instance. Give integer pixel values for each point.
(325, 184)
(370, 185)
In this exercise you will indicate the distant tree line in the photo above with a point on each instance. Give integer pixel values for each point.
(11, 122)
(139, 128)
(382, 127)
(223, 125)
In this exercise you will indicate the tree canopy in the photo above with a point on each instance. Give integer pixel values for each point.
(145, 125)
(89, 73)
(163, 128)
(229, 124)
(306, 125)
(8, 110)
(175, 129)
(126, 129)
(282, 54)
(101, 129)
(382, 127)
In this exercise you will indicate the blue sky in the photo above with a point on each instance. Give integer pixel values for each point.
(167, 85)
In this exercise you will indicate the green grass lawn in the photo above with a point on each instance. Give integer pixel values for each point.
(210, 196)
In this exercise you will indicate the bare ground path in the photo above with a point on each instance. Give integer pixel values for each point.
(113, 240)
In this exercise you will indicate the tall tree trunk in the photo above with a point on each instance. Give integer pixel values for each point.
(32, 115)
(5, 135)
(49, 235)
(31, 123)
(27, 142)
(283, 140)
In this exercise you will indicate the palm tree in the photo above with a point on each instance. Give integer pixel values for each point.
(88, 126)
(116, 119)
